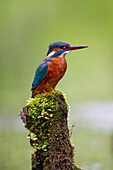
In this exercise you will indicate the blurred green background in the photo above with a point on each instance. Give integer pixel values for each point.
(26, 30)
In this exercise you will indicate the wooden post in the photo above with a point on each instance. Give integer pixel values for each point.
(45, 116)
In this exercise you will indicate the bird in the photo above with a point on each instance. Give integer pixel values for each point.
(53, 67)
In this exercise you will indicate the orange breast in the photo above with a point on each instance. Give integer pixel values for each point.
(56, 71)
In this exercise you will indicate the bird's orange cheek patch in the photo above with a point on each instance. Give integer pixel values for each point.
(56, 49)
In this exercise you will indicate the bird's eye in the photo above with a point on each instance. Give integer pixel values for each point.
(64, 47)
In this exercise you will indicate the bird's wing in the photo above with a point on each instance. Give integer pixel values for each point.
(40, 74)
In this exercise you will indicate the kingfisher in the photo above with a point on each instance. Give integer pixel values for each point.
(53, 68)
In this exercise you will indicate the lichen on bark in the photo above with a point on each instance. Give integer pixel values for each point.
(45, 116)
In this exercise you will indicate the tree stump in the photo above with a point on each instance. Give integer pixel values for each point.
(45, 116)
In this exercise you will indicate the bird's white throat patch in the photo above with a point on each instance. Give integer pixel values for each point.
(64, 53)
(50, 54)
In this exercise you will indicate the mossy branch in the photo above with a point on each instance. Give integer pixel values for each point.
(45, 116)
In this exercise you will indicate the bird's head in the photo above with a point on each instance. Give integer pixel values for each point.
(61, 48)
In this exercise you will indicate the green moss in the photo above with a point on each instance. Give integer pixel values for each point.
(46, 119)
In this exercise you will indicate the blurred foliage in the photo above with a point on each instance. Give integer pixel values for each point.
(15, 151)
(93, 149)
(27, 29)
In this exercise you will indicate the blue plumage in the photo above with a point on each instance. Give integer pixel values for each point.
(58, 53)
(40, 73)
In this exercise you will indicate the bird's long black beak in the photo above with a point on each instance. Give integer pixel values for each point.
(76, 47)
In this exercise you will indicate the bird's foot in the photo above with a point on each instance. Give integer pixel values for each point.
(50, 92)
(44, 91)
(47, 92)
